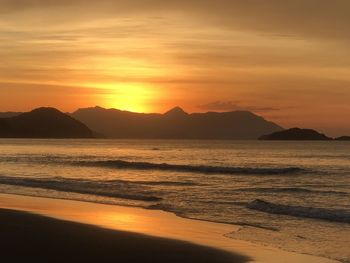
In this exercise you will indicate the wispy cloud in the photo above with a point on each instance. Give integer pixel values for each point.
(233, 106)
(300, 18)
(267, 54)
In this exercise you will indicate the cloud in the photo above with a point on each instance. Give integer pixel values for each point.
(264, 52)
(210, 39)
(233, 106)
(26, 96)
(298, 18)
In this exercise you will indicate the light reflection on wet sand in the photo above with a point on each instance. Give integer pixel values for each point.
(154, 223)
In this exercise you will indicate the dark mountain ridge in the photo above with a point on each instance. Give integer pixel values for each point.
(43, 123)
(175, 124)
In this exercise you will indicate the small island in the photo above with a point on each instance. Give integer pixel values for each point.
(296, 134)
(343, 138)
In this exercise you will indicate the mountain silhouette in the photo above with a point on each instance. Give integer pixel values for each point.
(43, 123)
(296, 134)
(343, 138)
(9, 114)
(176, 112)
(175, 124)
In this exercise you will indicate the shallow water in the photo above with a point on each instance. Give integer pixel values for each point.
(304, 187)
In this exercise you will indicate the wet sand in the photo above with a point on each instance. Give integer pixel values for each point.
(32, 238)
(108, 233)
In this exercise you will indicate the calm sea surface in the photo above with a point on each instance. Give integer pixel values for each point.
(291, 195)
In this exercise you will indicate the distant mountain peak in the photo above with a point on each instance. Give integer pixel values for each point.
(176, 111)
(98, 108)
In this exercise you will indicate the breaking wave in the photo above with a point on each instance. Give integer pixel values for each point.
(290, 190)
(117, 189)
(135, 165)
(334, 215)
(120, 164)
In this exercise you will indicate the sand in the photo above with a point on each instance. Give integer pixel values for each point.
(108, 233)
(27, 237)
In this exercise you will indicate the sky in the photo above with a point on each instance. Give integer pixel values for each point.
(288, 61)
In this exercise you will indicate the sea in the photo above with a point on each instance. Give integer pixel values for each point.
(290, 195)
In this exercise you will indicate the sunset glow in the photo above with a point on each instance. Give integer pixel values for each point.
(130, 97)
(187, 131)
(151, 56)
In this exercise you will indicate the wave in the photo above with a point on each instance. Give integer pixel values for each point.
(166, 183)
(168, 207)
(90, 161)
(120, 164)
(117, 190)
(342, 216)
(156, 183)
(290, 190)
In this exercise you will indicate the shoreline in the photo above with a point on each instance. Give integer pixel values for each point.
(153, 223)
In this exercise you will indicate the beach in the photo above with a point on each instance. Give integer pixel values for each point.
(31, 237)
(219, 194)
(175, 131)
(52, 230)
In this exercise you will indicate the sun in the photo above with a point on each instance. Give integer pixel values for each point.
(130, 96)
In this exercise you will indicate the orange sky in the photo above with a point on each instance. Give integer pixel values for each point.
(288, 60)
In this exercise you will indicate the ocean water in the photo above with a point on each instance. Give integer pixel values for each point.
(290, 195)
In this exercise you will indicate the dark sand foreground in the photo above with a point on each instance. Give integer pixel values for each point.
(27, 237)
